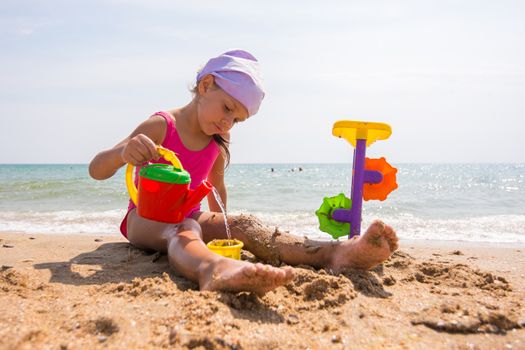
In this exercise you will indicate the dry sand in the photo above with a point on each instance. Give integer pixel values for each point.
(86, 292)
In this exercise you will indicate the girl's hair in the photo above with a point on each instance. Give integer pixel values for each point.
(221, 141)
(223, 145)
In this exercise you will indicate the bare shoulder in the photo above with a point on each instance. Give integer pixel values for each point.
(174, 113)
(154, 127)
(155, 122)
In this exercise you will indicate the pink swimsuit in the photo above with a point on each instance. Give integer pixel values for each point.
(197, 163)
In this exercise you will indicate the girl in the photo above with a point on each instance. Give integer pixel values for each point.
(228, 92)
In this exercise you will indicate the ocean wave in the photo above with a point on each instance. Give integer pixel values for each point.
(65, 221)
(495, 228)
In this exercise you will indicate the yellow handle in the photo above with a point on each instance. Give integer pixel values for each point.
(166, 154)
(352, 131)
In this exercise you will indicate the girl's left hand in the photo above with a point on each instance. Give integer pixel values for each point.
(139, 150)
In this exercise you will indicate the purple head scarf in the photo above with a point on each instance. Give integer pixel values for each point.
(237, 72)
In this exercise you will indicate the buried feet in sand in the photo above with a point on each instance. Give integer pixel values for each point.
(236, 276)
(366, 251)
(363, 252)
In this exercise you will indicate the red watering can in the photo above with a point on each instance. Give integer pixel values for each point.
(164, 192)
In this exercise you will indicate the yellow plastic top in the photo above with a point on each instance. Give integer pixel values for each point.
(354, 130)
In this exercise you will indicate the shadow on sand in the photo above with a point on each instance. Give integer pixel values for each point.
(124, 265)
(113, 263)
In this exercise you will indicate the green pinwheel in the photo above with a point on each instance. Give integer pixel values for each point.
(326, 223)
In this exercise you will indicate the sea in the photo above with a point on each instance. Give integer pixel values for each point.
(458, 202)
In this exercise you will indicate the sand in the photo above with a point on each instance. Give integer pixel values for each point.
(87, 292)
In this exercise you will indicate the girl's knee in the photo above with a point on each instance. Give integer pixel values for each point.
(190, 225)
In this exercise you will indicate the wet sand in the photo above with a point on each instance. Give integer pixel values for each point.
(86, 292)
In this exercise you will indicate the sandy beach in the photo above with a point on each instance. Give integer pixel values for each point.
(86, 292)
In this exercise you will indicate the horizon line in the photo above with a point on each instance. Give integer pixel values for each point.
(288, 163)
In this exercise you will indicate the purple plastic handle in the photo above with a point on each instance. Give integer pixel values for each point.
(360, 176)
(357, 188)
(373, 177)
(341, 215)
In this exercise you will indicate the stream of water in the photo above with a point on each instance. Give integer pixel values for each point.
(223, 209)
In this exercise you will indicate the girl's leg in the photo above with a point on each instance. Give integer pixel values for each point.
(188, 254)
(275, 246)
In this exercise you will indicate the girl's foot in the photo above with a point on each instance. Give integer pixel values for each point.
(240, 276)
(366, 251)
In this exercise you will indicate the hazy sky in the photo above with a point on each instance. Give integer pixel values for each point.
(448, 76)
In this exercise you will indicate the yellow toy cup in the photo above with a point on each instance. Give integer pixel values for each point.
(229, 248)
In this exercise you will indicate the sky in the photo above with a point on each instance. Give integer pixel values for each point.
(76, 77)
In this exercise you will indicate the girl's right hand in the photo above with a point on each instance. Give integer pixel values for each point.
(139, 150)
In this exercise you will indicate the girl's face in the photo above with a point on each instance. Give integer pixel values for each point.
(217, 112)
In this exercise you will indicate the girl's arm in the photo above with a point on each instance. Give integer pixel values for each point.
(137, 148)
(216, 177)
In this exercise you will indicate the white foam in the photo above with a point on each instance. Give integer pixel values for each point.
(68, 221)
(496, 228)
